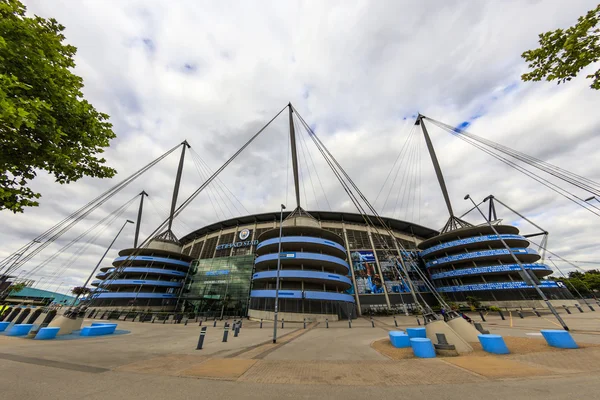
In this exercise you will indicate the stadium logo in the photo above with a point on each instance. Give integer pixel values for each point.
(244, 234)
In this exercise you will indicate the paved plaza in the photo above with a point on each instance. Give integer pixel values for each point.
(157, 361)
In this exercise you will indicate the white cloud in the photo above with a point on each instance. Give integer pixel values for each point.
(213, 73)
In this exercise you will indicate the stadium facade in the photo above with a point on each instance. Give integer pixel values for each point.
(333, 265)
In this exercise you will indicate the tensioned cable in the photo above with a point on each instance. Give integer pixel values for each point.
(532, 175)
(221, 194)
(575, 179)
(57, 230)
(364, 215)
(191, 198)
(303, 151)
(302, 134)
(209, 190)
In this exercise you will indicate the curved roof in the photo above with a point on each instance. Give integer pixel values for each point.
(330, 216)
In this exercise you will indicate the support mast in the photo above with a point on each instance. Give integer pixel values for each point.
(294, 155)
(139, 219)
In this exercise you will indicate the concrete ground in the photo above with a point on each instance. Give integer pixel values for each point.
(157, 361)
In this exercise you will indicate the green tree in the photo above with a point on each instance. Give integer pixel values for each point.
(80, 290)
(45, 124)
(17, 287)
(564, 53)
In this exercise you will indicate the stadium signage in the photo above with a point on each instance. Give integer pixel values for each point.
(237, 244)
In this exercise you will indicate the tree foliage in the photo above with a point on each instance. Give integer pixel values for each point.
(564, 53)
(17, 287)
(45, 124)
(585, 282)
(80, 290)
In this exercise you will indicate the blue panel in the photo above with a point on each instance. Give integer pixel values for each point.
(326, 276)
(306, 256)
(475, 239)
(143, 270)
(489, 270)
(478, 254)
(131, 295)
(297, 294)
(301, 239)
(149, 259)
(140, 282)
(496, 286)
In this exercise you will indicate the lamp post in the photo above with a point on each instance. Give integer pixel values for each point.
(277, 279)
(535, 285)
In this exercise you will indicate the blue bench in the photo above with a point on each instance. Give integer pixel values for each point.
(47, 333)
(559, 338)
(3, 326)
(399, 339)
(98, 330)
(422, 347)
(493, 344)
(103, 323)
(416, 332)
(20, 330)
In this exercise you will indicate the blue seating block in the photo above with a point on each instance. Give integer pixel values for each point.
(20, 330)
(3, 326)
(47, 333)
(416, 332)
(399, 339)
(493, 344)
(422, 347)
(559, 338)
(98, 330)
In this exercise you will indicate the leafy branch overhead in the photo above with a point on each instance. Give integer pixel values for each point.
(45, 123)
(564, 53)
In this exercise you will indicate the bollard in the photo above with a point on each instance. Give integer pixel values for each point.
(153, 318)
(282, 323)
(567, 309)
(236, 329)
(200, 324)
(418, 321)
(481, 315)
(185, 323)
(196, 317)
(579, 308)
(215, 324)
(349, 323)
(520, 313)
(261, 323)
(536, 312)
(201, 338)
(373, 323)
(225, 331)
(591, 308)
(501, 315)
(165, 320)
(326, 323)
(395, 322)
(304, 323)
(240, 323)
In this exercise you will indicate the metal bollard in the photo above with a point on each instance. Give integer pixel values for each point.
(520, 314)
(153, 318)
(567, 309)
(236, 330)
(201, 338)
(501, 315)
(185, 323)
(536, 312)
(282, 323)
(395, 322)
(481, 315)
(225, 331)
(418, 321)
(349, 323)
(591, 308)
(215, 324)
(240, 323)
(200, 324)
(304, 323)
(196, 318)
(579, 308)
(372, 323)
(165, 320)
(326, 323)
(261, 323)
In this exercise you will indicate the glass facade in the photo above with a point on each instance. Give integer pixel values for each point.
(221, 286)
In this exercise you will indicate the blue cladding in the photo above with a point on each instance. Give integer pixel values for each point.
(478, 254)
(141, 270)
(489, 270)
(297, 294)
(476, 239)
(163, 260)
(325, 276)
(300, 240)
(496, 286)
(305, 256)
(136, 282)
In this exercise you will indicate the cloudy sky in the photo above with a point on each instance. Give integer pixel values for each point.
(215, 72)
